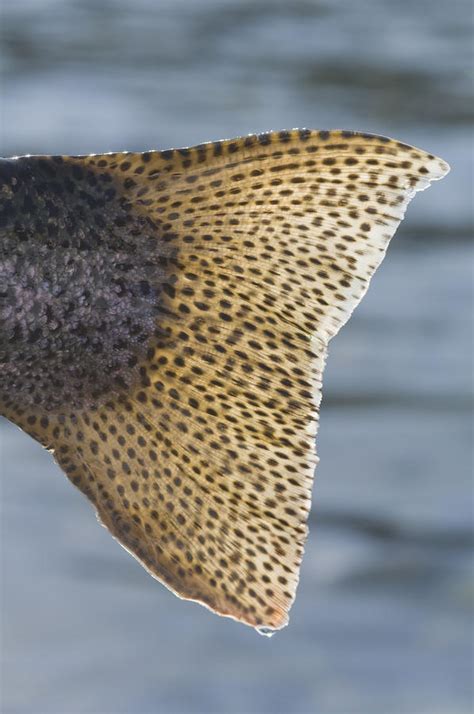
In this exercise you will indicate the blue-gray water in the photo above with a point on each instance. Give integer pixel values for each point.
(381, 623)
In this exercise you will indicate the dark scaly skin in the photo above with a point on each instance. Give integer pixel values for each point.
(81, 277)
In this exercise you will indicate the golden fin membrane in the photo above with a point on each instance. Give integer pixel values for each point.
(202, 466)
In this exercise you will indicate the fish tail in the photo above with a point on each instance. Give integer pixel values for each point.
(202, 466)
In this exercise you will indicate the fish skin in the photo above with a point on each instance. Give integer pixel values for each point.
(81, 278)
(164, 321)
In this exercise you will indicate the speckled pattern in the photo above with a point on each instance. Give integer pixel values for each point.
(164, 328)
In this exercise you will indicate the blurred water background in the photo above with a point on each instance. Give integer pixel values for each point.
(381, 623)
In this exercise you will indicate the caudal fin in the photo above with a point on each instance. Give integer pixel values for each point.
(203, 469)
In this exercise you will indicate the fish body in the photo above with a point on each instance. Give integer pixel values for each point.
(81, 276)
(164, 322)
